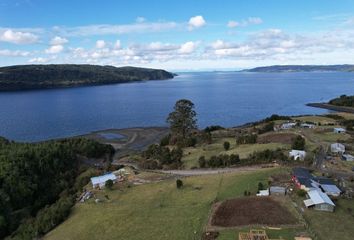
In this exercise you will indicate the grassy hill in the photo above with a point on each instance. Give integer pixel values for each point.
(24, 77)
(303, 68)
(157, 210)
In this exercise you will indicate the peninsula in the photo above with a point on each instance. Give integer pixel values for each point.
(303, 68)
(26, 77)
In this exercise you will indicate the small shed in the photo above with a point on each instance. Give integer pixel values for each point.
(278, 191)
(297, 154)
(263, 193)
(319, 201)
(307, 125)
(348, 157)
(100, 181)
(288, 125)
(337, 148)
(339, 130)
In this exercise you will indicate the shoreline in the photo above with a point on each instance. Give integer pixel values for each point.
(331, 107)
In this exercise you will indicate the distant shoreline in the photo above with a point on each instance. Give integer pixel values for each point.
(331, 107)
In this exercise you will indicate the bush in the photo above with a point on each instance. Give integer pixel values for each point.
(213, 128)
(109, 184)
(260, 186)
(301, 193)
(179, 183)
(202, 162)
(269, 127)
(226, 146)
(298, 143)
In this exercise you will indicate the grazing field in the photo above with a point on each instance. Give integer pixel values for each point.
(315, 119)
(283, 137)
(191, 154)
(251, 211)
(337, 225)
(157, 210)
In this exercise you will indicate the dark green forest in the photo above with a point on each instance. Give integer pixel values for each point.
(39, 183)
(25, 77)
(344, 100)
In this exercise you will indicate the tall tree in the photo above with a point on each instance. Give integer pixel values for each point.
(183, 119)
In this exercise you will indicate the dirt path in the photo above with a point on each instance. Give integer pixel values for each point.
(199, 172)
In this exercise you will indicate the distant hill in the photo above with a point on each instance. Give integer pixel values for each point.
(303, 68)
(25, 77)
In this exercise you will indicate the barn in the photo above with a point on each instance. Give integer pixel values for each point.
(319, 201)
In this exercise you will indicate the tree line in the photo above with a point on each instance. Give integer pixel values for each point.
(39, 182)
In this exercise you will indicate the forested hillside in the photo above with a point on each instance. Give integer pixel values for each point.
(39, 182)
(24, 77)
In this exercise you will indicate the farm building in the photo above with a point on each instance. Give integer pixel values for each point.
(297, 154)
(263, 193)
(307, 125)
(327, 186)
(278, 191)
(288, 125)
(302, 178)
(319, 201)
(347, 157)
(337, 148)
(100, 181)
(339, 130)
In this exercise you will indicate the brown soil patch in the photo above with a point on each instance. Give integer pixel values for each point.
(285, 138)
(210, 235)
(251, 211)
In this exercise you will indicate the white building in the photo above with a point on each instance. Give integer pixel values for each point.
(307, 125)
(319, 200)
(297, 154)
(100, 181)
(337, 148)
(263, 193)
(339, 130)
(288, 125)
(348, 157)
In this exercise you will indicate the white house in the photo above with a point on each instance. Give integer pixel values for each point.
(297, 154)
(263, 193)
(307, 125)
(339, 130)
(337, 148)
(288, 125)
(100, 181)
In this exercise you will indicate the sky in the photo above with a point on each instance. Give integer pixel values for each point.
(177, 35)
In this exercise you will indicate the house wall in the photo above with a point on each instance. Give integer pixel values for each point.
(324, 207)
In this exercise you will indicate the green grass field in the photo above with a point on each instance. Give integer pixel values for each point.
(157, 210)
(316, 119)
(191, 155)
(284, 233)
(337, 225)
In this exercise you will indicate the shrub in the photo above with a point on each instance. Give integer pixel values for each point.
(301, 193)
(226, 146)
(298, 143)
(179, 183)
(109, 184)
(202, 162)
(260, 186)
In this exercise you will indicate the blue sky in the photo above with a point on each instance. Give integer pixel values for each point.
(177, 35)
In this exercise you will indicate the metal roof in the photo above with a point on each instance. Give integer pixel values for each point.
(102, 179)
(302, 172)
(330, 189)
(319, 197)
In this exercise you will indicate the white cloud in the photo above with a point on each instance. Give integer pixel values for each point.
(188, 48)
(233, 24)
(245, 23)
(140, 19)
(54, 49)
(196, 22)
(16, 53)
(117, 44)
(107, 29)
(38, 60)
(100, 44)
(58, 41)
(18, 37)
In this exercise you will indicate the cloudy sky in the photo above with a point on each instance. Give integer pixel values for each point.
(177, 35)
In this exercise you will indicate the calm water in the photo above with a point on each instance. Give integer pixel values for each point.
(227, 99)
